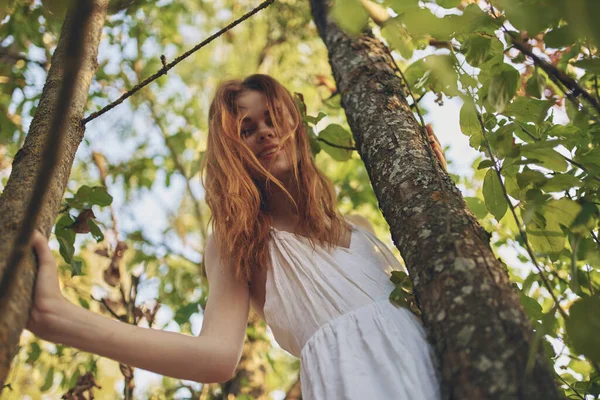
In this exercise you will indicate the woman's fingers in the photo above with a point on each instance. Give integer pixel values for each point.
(47, 278)
(436, 145)
(40, 245)
(431, 135)
(440, 155)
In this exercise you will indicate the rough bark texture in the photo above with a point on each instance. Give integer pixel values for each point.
(472, 315)
(15, 302)
(251, 373)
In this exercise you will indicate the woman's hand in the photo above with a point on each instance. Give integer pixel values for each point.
(436, 146)
(47, 299)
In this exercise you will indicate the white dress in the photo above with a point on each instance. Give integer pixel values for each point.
(332, 310)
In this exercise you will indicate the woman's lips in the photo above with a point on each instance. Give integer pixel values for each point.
(268, 156)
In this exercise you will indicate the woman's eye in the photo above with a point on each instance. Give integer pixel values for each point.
(245, 132)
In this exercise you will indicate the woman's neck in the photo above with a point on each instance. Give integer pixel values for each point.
(278, 204)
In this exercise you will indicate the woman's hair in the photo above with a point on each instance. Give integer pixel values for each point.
(235, 195)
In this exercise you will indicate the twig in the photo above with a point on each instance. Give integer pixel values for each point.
(167, 67)
(407, 85)
(339, 146)
(105, 304)
(571, 387)
(571, 88)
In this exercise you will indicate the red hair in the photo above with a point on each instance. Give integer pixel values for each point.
(236, 200)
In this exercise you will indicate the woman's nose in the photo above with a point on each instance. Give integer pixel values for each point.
(266, 132)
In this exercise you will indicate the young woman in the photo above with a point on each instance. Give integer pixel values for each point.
(320, 281)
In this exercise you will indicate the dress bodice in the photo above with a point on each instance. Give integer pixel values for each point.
(308, 288)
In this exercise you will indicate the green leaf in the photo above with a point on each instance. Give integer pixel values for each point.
(398, 38)
(583, 18)
(350, 16)
(535, 85)
(502, 86)
(590, 159)
(76, 268)
(548, 237)
(545, 157)
(485, 164)
(583, 326)
(474, 19)
(66, 241)
(339, 136)
(561, 182)
(559, 37)
(448, 3)
(532, 16)
(502, 142)
(34, 353)
(184, 313)
(315, 147)
(397, 277)
(493, 195)
(477, 206)
(100, 196)
(531, 177)
(84, 303)
(401, 6)
(548, 240)
(398, 296)
(563, 130)
(469, 124)
(314, 120)
(93, 195)
(95, 230)
(562, 212)
(528, 110)
(532, 307)
(477, 49)
(49, 381)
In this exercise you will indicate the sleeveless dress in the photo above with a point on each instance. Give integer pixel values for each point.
(331, 309)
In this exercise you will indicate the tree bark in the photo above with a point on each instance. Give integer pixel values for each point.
(472, 314)
(18, 280)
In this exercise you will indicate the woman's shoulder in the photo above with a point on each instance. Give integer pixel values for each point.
(361, 221)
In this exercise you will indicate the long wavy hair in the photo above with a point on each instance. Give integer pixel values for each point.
(235, 180)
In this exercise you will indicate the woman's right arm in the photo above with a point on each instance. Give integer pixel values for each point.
(211, 357)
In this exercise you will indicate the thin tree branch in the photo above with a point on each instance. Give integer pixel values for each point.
(339, 146)
(105, 304)
(572, 89)
(167, 67)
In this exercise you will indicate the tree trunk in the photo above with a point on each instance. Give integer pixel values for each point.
(18, 280)
(472, 315)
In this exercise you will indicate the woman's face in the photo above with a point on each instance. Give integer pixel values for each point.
(259, 135)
